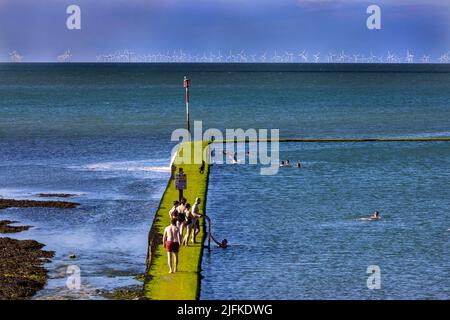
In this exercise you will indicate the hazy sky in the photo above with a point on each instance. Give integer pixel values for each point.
(37, 28)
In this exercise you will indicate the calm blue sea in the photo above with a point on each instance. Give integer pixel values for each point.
(103, 132)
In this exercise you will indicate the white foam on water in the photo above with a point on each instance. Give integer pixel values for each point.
(442, 134)
(32, 193)
(132, 166)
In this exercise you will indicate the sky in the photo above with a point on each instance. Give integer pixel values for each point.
(37, 29)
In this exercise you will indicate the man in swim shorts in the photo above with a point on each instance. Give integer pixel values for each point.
(171, 241)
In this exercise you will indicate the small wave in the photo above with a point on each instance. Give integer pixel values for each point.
(442, 134)
(132, 166)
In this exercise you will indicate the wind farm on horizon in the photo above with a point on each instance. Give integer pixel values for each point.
(241, 56)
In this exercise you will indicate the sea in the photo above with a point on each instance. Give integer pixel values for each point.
(102, 132)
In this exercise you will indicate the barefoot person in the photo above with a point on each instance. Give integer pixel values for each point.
(196, 219)
(171, 241)
(173, 213)
(187, 223)
(181, 215)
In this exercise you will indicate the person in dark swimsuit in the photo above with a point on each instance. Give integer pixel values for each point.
(173, 213)
(188, 224)
(181, 215)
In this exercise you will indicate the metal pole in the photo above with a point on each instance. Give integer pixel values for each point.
(186, 87)
(209, 234)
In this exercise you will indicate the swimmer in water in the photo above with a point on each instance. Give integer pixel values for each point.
(288, 164)
(223, 244)
(299, 165)
(375, 216)
(282, 163)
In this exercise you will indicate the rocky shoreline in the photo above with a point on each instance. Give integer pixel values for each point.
(12, 203)
(56, 195)
(21, 268)
(6, 228)
(21, 261)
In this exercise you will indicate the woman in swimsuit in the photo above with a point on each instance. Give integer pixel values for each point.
(181, 216)
(187, 224)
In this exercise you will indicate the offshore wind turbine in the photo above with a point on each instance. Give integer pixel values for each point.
(330, 57)
(276, 57)
(263, 57)
(242, 56)
(220, 57)
(409, 57)
(15, 57)
(444, 58)
(342, 57)
(390, 57)
(316, 57)
(289, 56)
(65, 57)
(426, 59)
(303, 56)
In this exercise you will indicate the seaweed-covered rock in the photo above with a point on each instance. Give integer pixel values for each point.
(21, 270)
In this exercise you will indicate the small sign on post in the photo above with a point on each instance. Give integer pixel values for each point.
(186, 85)
(180, 182)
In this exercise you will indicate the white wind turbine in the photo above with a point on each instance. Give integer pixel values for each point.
(65, 57)
(303, 56)
(330, 57)
(15, 57)
(289, 56)
(316, 57)
(390, 57)
(242, 56)
(263, 57)
(276, 57)
(229, 57)
(220, 57)
(409, 57)
(444, 58)
(426, 59)
(342, 57)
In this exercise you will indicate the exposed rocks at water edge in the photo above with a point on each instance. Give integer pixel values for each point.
(21, 268)
(11, 203)
(5, 227)
(56, 195)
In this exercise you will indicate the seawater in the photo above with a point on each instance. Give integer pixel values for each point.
(102, 132)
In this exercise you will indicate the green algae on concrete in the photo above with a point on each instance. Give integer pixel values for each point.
(184, 284)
